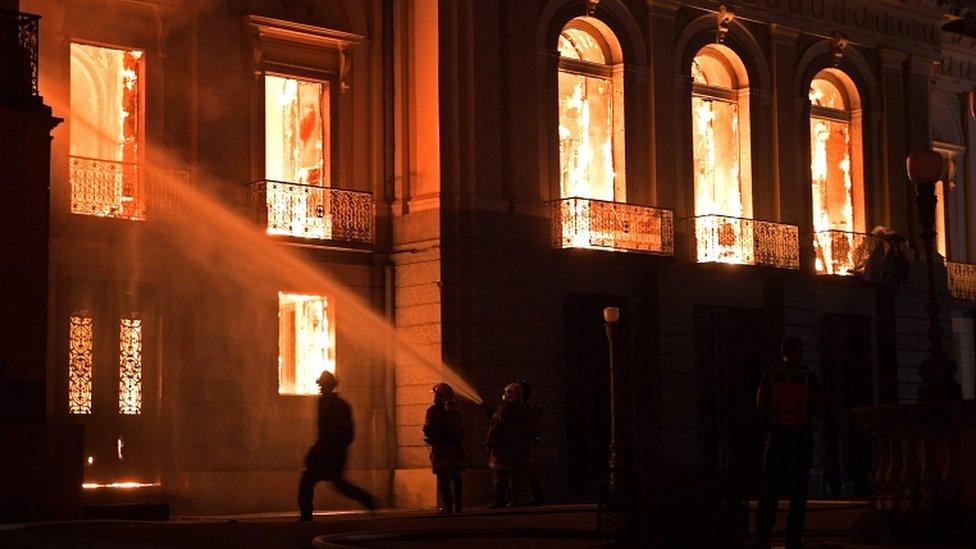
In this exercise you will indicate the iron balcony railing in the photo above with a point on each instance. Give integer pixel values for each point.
(309, 211)
(726, 239)
(123, 190)
(590, 223)
(842, 252)
(18, 56)
(962, 280)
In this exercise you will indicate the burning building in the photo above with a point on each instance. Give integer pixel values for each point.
(486, 176)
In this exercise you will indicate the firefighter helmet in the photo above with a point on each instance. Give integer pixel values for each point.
(443, 392)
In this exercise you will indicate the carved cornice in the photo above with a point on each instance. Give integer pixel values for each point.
(870, 22)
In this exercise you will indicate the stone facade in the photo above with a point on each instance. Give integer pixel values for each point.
(446, 112)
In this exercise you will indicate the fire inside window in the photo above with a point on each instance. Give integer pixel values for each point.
(591, 128)
(130, 366)
(834, 154)
(106, 127)
(953, 155)
(80, 365)
(720, 127)
(297, 156)
(306, 342)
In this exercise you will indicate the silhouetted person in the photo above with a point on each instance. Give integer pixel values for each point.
(326, 460)
(535, 420)
(444, 433)
(788, 397)
(508, 446)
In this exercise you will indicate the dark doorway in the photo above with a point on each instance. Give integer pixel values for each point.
(588, 388)
(845, 344)
(733, 348)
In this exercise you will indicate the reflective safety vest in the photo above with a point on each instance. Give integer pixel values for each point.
(789, 397)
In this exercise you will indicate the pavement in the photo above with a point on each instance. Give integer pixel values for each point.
(568, 526)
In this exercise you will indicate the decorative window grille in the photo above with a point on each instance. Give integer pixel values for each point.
(80, 365)
(130, 366)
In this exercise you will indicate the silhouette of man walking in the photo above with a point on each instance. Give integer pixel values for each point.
(788, 397)
(326, 460)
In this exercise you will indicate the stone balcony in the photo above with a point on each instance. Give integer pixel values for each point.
(615, 226)
(962, 280)
(841, 252)
(123, 190)
(314, 212)
(742, 241)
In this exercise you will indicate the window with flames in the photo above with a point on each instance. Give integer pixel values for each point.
(297, 157)
(106, 127)
(835, 168)
(306, 342)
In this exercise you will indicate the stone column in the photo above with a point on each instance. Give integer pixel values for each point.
(789, 168)
(661, 21)
(918, 73)
(893, 205)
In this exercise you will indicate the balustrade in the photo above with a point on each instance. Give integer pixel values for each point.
(590, 223)
(726, 239)
(309, 211)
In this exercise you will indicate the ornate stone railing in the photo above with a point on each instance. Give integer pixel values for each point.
(308, 211)
(841, 252)
(726, 239)
(18, 56)
(590, 223)
(962, 280)
(123, 190)
(922, 455)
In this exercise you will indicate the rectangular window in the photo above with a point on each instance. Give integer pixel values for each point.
(130, 366)
(106, 129)
(80, 365)
(306, 342)
(296, 115)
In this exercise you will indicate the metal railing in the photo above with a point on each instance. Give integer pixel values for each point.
(123, 190)
(726, 239)
(841, 252)
(18, 55)
(309, 211)
(962, 280)
(590, 223)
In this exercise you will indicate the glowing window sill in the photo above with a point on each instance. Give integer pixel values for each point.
(119, 485)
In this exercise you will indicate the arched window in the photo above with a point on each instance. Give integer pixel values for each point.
(591, 109)
(720, 126)
(836, 169)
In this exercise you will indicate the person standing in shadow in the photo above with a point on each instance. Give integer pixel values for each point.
(788, 397)
(444, 434)
(535, 421)
(326, 460)
(508, 446)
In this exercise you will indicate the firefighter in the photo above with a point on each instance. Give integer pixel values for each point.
(444, 434)
(326, 460)
(535, 418)
(508, 446)
(788, 398)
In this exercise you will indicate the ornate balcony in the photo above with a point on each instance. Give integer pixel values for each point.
(589, 223)
(18, 56)
(842, 253)
(308, 211)
(725, 239)
(122, 190)
(962, 280)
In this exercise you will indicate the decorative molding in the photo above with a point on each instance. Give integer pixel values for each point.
(838, 41)
(870, 22)
(723, 22)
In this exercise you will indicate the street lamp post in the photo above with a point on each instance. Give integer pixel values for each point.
(938, 383)
(610, 317)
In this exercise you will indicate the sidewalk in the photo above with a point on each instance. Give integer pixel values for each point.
(568, 526)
